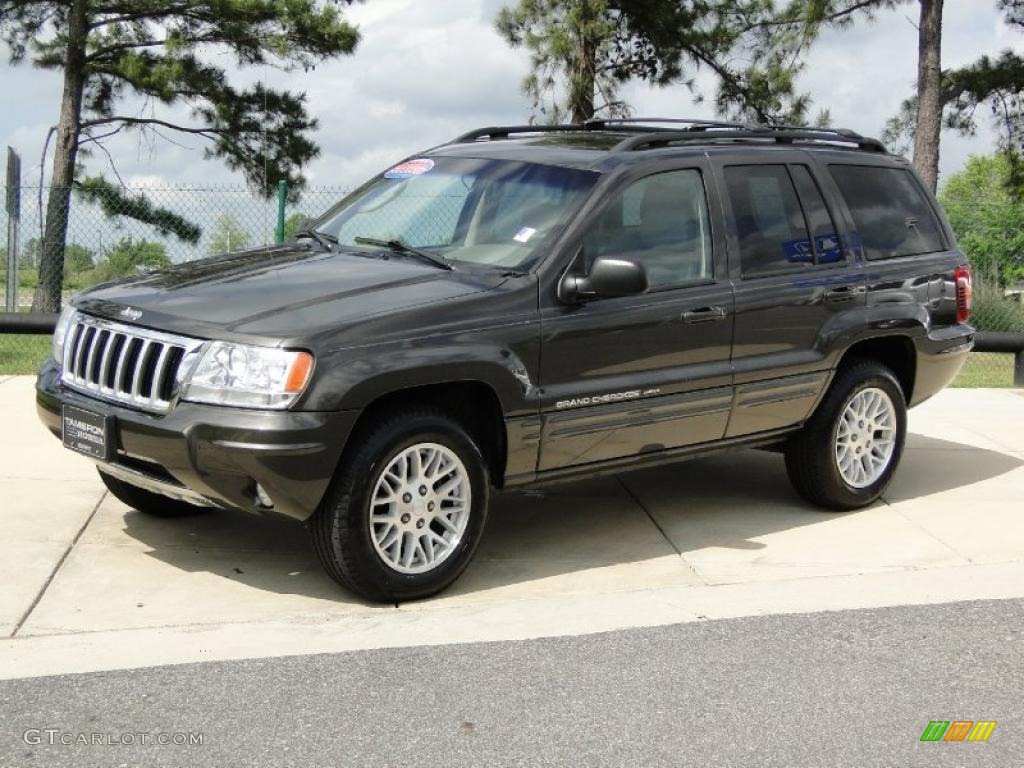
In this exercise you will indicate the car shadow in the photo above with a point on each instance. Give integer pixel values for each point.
(618, 532)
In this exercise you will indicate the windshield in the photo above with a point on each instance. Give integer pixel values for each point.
(489, 212)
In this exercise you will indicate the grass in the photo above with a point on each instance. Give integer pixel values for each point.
(22, 353)
(986, 369)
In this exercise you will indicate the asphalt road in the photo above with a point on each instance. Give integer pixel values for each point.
(853, 688)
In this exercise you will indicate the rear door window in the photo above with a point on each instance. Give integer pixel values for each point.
(770, 225)
(890, 211)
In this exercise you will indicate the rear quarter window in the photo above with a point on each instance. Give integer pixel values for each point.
(892, 216)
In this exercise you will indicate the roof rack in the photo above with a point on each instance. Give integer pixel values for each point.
(625, 124)
(781, 135)
(642, 123)
(695, 131)
(504, 131)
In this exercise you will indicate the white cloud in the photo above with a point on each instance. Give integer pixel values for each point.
(426, 72)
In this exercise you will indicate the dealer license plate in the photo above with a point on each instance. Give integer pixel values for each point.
(86, 432)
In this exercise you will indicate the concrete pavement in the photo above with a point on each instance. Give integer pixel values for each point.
(90, 584)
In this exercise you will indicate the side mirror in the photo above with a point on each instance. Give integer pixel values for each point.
(610, 276)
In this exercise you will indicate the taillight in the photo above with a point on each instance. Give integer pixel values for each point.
(964, 290)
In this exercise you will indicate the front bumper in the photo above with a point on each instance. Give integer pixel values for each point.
(214, 454)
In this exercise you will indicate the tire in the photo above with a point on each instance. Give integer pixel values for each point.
(147, 502)
(356, 552)
(834, 438)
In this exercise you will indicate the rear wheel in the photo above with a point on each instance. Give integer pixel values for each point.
(406, 509)
(148, 502)
(848, 451)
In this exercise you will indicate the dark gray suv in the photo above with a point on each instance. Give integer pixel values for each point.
(523, 305)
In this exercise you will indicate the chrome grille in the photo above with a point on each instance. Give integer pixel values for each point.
(134, 366)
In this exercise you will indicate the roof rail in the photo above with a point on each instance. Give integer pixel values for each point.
(695, 131)
(504, 131)
(633, 122)
(784, 135)
(627, 124)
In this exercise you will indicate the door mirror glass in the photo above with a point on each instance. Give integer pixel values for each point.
(609, 277)
(612, 276)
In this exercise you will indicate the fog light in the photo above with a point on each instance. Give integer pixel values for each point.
(263, 497)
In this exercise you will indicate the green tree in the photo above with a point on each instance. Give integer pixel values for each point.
(571, 41)
(227, 236)
(28, 255)
(160, 51)
(118, 201)
(987, 218)
(805, 19)
(77, 258)
(129, 257)
(291, 225)
(583, 50)
(943, 98)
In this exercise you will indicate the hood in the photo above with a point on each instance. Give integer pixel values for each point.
(275, 293)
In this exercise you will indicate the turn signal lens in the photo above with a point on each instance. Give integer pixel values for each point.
(298, 375)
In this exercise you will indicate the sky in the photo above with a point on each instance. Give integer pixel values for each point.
(425, 72)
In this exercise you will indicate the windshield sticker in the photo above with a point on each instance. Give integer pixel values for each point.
(410, 168)
(525, 234)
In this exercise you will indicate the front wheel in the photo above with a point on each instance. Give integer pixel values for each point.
(406, 510)
(848, 451)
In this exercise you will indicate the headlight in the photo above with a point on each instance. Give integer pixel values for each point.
(60, 333)
(240, 375)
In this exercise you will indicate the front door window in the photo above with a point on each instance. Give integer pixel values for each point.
(661, 222)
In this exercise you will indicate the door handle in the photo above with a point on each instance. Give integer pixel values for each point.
(703, 315)
(842, 293)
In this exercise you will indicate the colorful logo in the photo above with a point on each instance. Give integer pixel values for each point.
(410, 168)
(958, 730)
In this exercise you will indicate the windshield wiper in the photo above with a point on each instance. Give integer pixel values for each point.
(399, 247)
(324, 239)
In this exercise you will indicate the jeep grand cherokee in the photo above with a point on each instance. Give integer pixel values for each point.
(522, 305)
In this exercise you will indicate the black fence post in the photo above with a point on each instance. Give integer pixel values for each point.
(1012, 343)
(40, 323)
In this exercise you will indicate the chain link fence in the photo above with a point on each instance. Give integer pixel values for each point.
(182, 224)
(120, 231)
(106, 239)
(1000, 310)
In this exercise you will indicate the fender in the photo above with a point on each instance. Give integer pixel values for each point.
(865, 323)
(352, 379)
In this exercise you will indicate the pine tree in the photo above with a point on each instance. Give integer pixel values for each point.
(583, 50)
(943, 98)
(157, 49)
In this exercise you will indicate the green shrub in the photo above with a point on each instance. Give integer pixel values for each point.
(992, 311)
(28, 278)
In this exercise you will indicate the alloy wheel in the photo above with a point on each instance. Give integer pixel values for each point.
(420, 508)
(865, 438)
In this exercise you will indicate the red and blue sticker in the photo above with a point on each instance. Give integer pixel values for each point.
(410, 168)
